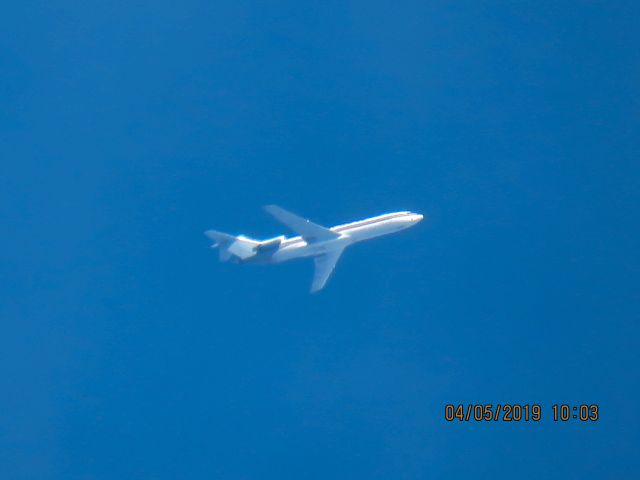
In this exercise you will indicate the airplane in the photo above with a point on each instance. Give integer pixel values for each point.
(324, 244)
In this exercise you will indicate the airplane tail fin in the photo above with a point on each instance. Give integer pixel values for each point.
(231, 247)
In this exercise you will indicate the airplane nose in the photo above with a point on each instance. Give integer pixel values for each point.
(417, 217)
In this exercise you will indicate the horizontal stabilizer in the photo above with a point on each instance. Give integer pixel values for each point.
(220, 238)
(308, 230)
(240, 247)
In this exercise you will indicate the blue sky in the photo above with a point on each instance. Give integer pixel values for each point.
(128, 128)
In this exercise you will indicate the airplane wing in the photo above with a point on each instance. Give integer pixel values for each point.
(324, 265)
(310, 231)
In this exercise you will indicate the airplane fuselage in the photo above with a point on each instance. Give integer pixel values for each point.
(350, 233)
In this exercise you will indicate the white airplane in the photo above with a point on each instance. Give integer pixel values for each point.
(325, 245)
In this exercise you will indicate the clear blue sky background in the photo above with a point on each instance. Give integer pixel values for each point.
(128, 128)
